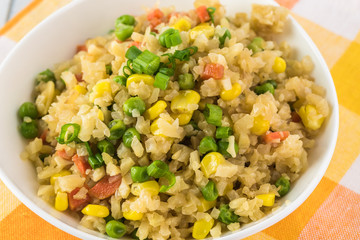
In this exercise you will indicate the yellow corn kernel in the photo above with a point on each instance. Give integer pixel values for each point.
(182, 25)
(261, 126)
(203, 28)
(150, 186)
(80, 89)
(133, 215)
(310, 117)
(184, 118)
(185, 102)
(137, 78)
(234, 92)
(61, 201)
(202, 228)
(154, 111)
(62, 173)
(100, 115)
(96, 210)
(155, 130)
(205, 205)
(279, 65)
(99, 90)
(210, 163)
(268, 199)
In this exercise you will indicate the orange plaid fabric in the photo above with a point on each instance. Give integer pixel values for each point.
(332, 211)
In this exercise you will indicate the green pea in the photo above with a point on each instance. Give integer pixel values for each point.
(45, 76)
(186, 81)
(272, 82)
(210, 192)
(213, 114)
(29, 130)
(223, 145)
(257, 45)
(129, 134)
(28, 109)
(125, 19)
(207, 144)
(284, 185)
(134, 104)
(117, 128)
(123, 32)
(139, 174)
(226, 215)
(115, 229)
(106, 146)
(266, 87)
(223, 132)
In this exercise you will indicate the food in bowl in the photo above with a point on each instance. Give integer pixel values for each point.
(175, 124)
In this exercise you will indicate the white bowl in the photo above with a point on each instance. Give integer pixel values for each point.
(54, 41)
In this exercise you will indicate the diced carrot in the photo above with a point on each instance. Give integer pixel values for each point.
(81, 163)
(105, 187)
(77, 204)
(43, 135)
(295, 117)
(156, 13)
(155, 18)
(203, 13)
(276, 137)
(79, 77)
(213, 70)
(62, 153)
(80, 48)
(135, 43)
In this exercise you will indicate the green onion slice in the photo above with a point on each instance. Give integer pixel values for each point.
(213, 114)
(69, 133)
(222, 39)
(211, 11)
(132, 53)
(159, 169)
(161, 81)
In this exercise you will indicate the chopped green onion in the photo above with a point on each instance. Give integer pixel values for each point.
(45, 76)
(117, 129)
(184, 55)
(207, 144)
(128, 136)
(209, 192)
(167, 71)
(223, 146)
(272, 82)
(284, 185)
(257, 45)
(222, 39)
(186, 81)
(66, 135)
(227, 215)
(109, 218)
(194, 125)
(161, 81)
(120, 80)
(211, 11)
(96, 161)
(132, 53)
(108, 69)
(29, 130)
(170, 38)
(139, 174)
(153, 33)
(223, 132)
(123, 32)
(147, 63)
(132, 105)
(125, 19)
(157, 169)
(106, 146)
(213, 114)
(127, 71)
(266, 87)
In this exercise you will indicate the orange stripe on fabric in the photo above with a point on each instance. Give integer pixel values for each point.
(8, 202)
(346, 75)
(287, 3)
(291, 227)
(337, 218)
(19, 16)
(260, 236)
(22, 224)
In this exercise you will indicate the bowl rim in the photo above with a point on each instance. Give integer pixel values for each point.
(291, 207)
